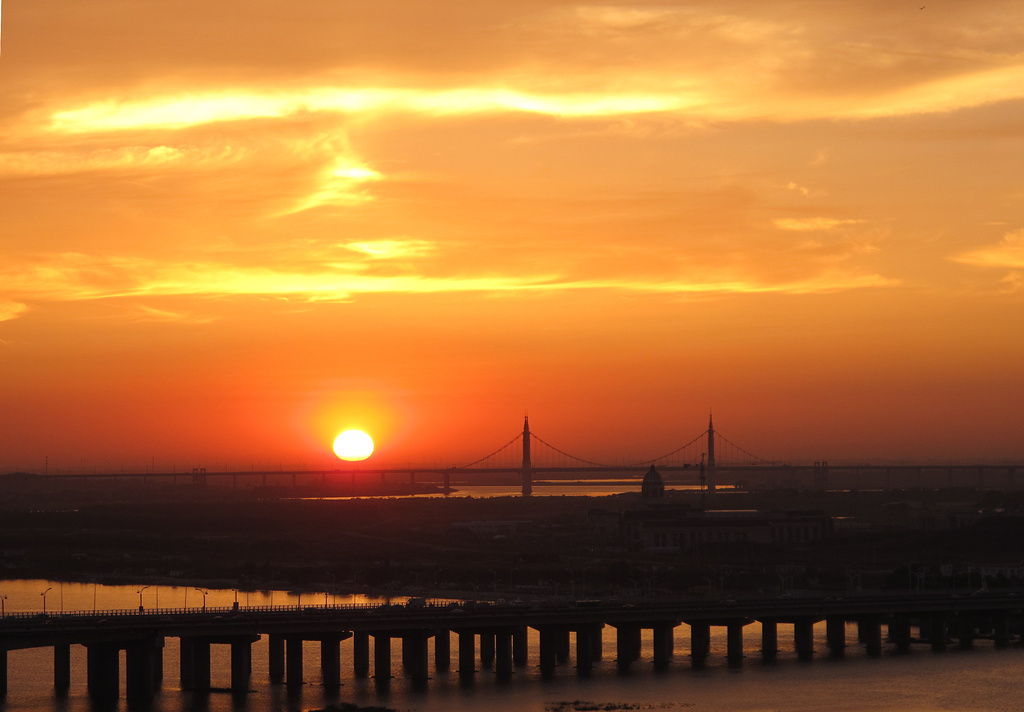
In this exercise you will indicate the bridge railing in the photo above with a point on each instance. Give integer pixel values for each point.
(297, 608)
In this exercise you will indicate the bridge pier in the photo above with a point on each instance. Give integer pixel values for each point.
(937, 631)
(158, 663)
(521, 646)
(627, 645)
(1001, 630)
(241, 665)
(734, 642)
(276, 658)
(330, 661)
(293, 662)
(869, 631)
(562, 646)
(597, 643)
(194, 664)
(899, 633)
(467, 653)
(361, 653)
(503, 651)
(835, 636)
(104, 671)
(769, 639)
(664, 645)
(487, 648)
(382, 656)
(61, 668)
(140, 671)
(442, 650)
(803, 638)
(584, 663)
(415, 655)
(965, 631)
(548, 650)
(186, 664)
(700, 643)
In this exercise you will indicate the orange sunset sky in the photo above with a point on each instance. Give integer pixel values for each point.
(230, 230)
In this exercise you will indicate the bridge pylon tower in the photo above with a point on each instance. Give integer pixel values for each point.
(527, 467)
(711, 454)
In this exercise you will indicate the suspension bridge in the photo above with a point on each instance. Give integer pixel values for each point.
(708, 460)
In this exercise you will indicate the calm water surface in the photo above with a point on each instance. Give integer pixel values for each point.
(922, 681)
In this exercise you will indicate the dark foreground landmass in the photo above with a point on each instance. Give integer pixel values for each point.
(510, 547)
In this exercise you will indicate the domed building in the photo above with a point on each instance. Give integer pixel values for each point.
(653, 485)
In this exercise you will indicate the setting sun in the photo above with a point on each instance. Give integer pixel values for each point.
(353, 445)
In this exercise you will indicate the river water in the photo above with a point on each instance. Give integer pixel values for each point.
(922, 681)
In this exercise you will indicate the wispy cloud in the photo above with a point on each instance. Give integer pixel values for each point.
(1009, 253)
(178, 112)
(11, 310)
(57, 162)
(713, 102)
(148, 313)
(75, 277)
(391, 249)
(812, 224)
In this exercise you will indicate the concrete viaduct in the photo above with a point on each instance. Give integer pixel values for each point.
(497, 634)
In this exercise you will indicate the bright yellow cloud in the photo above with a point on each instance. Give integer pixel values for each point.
(11, 310)
(182, 112)
(68, 161)
(1009, 253)
(738, 100)
(389, 249)
(339, 184)
(812, 224)
(73, 277)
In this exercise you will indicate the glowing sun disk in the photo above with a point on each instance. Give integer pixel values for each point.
(353, 445)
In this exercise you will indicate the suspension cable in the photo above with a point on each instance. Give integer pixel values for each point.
(670, 454)
(745, 452)
(562, 452)
(485, 457)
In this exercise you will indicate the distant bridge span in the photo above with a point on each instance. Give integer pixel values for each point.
(696, 457)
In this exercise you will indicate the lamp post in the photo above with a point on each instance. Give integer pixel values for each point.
(3, 608)
(43, 594)
(204, 597)
(140, 597)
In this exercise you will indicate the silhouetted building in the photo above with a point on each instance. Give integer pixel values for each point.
(653, 485)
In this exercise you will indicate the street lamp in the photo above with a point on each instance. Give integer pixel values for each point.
(140, 597)
(204, 596)
(43, 594)
(3, 608)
